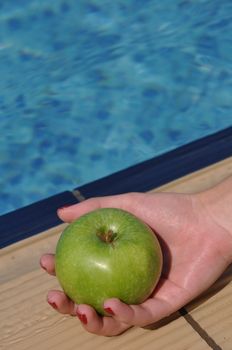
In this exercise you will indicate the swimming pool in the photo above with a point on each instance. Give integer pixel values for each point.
(91, 87)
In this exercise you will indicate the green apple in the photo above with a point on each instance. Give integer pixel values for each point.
(108, 253)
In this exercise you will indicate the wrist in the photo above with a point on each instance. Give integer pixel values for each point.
(218, 202)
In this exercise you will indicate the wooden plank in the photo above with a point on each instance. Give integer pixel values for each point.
(27, 321)
(213, 311)
(199, 180)
(23, 257)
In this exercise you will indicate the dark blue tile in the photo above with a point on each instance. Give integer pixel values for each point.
(95, 157)
(37, 163)
(182, 5)
(40, 124)
(14, 24)
(48, 13)
(59, 105)
(137, 4)
(45, 145)
(39, 132)
(33, 219)
(25, 56)
(108, 40)
(20, 101)
(224, 75)
(29, 111)
(2, 100)
(102, 115)
(98, 75)
(164, 168)
(150, 92)
(142, 18)
(58, 179)
(147, 135)
(32, 18)
(139, 57)
(67, 149)
(74, 140)
(53, 102)
(204, 126)
(174, 134)
(5, 197)
(109, 54)
(91, 7)
(165, 51)
(222, 23)
(207, 44)
(15, 180)
(113, 152)
(59, 45)
(65, 7)
(17, 200)
(65, 107)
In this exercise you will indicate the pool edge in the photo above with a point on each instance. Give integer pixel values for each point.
(164, 168)
(40, 216)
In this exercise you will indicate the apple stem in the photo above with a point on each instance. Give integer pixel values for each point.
(107, 237)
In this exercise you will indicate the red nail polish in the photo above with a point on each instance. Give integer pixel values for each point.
(43, 267)
(109, 311)
(53, 304)
(82, 318)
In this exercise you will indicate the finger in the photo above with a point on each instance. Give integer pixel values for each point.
(167, 298)
(47, 262)
(61, 303)
(138, 315)
(124, 201)
(93, 323)
(134, 315)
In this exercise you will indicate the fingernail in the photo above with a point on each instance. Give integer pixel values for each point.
(43, 267)
(82, 318)
(65, 207)
(109, 311)
(53, 304)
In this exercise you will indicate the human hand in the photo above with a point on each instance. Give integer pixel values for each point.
(195, 248)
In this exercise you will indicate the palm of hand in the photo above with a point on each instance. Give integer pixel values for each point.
(192, 258)
(191, 244)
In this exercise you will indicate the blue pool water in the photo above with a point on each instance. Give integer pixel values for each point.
(91, 87)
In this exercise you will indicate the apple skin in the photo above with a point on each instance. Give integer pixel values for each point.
(108, 253)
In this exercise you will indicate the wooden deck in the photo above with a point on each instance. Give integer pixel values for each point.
(27, 321)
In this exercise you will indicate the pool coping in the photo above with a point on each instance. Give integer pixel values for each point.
(40, 216)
